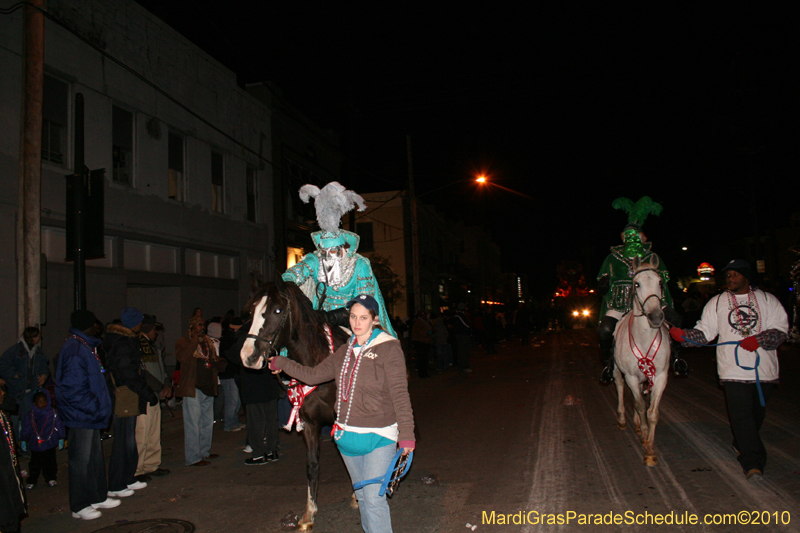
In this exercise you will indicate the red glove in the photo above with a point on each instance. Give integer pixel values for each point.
(749, 343)
(677, 333)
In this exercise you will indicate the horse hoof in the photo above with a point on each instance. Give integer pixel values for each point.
(650, 460)
(622, 425)
(305, 527)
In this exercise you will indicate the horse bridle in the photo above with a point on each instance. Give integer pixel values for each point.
(654, 295)
(271, 342)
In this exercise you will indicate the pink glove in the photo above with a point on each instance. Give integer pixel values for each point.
(749, 343)
(677, 333)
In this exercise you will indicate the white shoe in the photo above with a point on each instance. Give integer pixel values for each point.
(137, 485)
(87, 513)
(248, 449)
(52, 482)
(108, 504)
(124, 493)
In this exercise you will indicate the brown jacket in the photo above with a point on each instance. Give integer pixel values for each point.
(380, 397)
(184, 353)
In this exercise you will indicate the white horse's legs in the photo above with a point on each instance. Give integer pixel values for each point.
(639, 405)
(650, 457)
(622, 423)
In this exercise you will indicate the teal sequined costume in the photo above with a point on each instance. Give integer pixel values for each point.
(619, 270)
(355, 276)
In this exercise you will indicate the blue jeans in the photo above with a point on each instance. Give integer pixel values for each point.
(374, 509)
(198, 426)
(232, 403)
(87, 470)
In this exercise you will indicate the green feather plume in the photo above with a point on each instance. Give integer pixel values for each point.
(638, 212)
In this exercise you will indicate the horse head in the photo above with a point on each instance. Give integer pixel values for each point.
(269, 329)
(648, 290)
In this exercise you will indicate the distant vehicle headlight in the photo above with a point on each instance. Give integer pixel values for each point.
(585, 312)
(575, 313)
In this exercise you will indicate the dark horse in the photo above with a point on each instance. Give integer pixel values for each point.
(284, 316)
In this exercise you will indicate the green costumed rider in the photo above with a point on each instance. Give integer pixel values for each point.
(616, 279)
(335, 274)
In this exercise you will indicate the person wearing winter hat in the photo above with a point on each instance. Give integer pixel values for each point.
(84, 404)
(749, 371)
(124, 361)
(148, 424)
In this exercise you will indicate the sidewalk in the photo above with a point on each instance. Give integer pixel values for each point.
(223, 496)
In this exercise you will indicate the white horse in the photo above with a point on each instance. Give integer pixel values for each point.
(641, 350)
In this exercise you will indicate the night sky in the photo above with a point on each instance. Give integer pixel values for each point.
(697, 107)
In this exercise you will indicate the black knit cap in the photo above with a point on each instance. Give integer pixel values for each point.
(148, 323)
(741, 266)
(82, 319)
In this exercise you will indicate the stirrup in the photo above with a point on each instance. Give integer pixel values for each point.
(680, 367)
(607, 376)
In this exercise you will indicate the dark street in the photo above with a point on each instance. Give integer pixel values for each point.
(530, 431)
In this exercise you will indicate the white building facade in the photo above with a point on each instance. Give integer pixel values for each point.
(187, 154)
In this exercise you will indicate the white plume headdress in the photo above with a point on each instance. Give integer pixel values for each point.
(331, 203)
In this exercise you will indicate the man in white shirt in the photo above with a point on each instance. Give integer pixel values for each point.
(758, 323)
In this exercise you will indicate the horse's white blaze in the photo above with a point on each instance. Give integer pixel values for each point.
(250, 344)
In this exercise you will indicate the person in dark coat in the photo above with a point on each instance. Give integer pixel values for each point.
(260, 392)
(124, 360)
(24, 368)
(42, 433)
(85, 406)
(12, 495)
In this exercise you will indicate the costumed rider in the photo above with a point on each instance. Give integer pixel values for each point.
(335, 274)
(616, 281)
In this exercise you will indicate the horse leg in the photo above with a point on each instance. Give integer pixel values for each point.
(639, 416)
(311, 439)
(621, 422)
(650, 457)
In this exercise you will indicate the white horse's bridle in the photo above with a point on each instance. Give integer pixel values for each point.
(641, 303)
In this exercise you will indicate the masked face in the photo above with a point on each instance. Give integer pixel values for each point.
(633, 243)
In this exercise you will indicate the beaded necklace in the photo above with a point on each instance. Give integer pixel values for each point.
(39, 438)
(346, 389)
(741, 321)
(6, 425)
(93, 350)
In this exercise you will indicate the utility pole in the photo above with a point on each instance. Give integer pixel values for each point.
(414, 230)
(29, 222)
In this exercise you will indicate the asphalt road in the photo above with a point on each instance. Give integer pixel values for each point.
(529, 433)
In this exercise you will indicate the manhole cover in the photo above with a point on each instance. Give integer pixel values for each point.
(161, 525)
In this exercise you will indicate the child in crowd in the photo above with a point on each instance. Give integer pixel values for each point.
(42, 432)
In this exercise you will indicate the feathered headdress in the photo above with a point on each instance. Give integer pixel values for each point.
(331, 203)
(638, 212)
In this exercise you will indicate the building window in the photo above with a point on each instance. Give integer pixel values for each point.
(175, 158)
(252, 193)
(122, 145)
(217, 182)
(55, 112)
(364, 230)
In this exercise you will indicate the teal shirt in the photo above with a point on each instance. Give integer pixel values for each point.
(362, 281)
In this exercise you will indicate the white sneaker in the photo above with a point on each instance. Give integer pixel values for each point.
(108, 504)
(52, 482)
(137, 485)
(248, 449)
(87, 513)
(124, 493)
